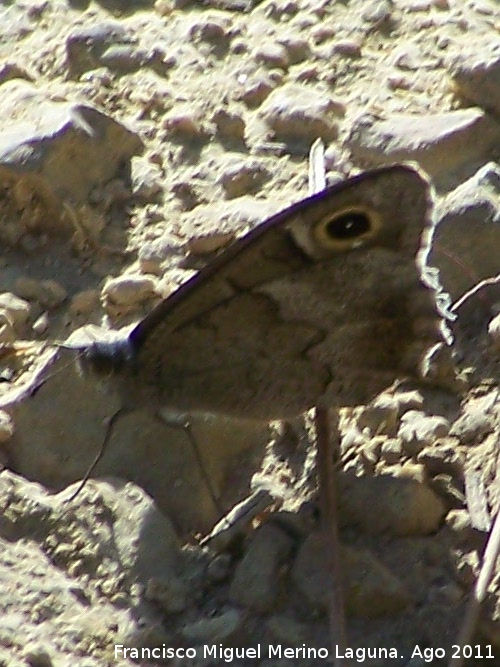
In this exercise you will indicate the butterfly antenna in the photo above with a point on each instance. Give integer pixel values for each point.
(99, 455)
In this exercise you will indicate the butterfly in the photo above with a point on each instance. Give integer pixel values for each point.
(325, 303)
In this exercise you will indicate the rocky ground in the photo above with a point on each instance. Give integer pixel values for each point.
(137, 139)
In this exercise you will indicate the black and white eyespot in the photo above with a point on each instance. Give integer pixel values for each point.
(346, 229)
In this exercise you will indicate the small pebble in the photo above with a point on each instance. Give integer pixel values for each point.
(272, 55)
(494, 333)
(37, 656)
(41, 324)
(128, 290)
(391, 451)
(84, 302)
(48, 293)
(7, 331)
(183, 122)
(164, 7)
(242, 177)
(377, 12)
(16, 308)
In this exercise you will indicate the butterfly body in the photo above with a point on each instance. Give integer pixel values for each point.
(325, 303)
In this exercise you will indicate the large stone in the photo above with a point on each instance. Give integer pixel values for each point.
(77, 570)
(440, 143)
(226, 217)
(476, 73)
(292, 112)
(61, 428)
(54, 152)
(468, 229)
(86, 45)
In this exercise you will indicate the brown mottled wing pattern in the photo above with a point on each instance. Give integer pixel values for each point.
(275, 325)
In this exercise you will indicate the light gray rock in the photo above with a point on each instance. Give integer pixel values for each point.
(54, 151)
(476, 73)
(460, 523)
(292, 112)
(84, 302)
(47, 293)
(76, 570)
(17, 309)
(213, 31)
(123, 58)
(494, 333)
(129, 290)
(409, 58)
(146, 179)
(468, 227)
(391, 451)
(6, 427)
(109, 44)
(256, 89)
(240, 177)
(350, 48)
(380, 416)
(272, 55)
(8, 333)
(86, 46)
(226, 217)
(477, 420)
(296, 46)
(377, 12)
(440, 143)
(418, 430)
(185, 122)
